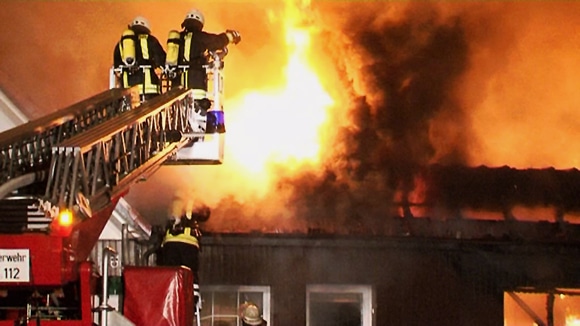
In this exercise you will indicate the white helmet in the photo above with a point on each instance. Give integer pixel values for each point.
(141, 21)
(195, 14)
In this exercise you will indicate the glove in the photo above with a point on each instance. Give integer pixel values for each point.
(234, 36)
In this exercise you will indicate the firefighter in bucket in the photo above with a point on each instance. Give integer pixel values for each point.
(138, 59)
(187, 58)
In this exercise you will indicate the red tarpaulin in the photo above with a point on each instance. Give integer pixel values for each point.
(159, 296)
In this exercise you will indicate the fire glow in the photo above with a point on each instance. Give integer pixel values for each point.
(403, 90)
(281, 125)
(326, 102)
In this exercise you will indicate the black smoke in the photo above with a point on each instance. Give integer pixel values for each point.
(410, 68)
(407, 71)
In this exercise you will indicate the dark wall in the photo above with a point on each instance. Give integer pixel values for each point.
(417, 281)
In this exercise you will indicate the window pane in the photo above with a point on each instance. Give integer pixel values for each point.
(515, 315)
(221, 303)
(218, 322)
(225, 303)
(225, 321)
(335, 309)
(522, 308)
(255, 297)
(336, 297)
(339, 305)
(567, 310)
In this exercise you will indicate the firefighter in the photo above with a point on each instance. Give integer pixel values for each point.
(139, 58)
(181, 244)
(250, 315)
(189, 47)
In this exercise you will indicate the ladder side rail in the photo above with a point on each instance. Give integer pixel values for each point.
(29, 147)
(119, 123)
(88, 110)
(104, 152)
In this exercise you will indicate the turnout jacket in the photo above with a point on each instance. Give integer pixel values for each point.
(193, 48)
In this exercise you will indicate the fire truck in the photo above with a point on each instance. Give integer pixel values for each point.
(61, 177)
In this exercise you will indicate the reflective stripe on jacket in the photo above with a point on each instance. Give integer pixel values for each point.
(185, 237)
(146, 86)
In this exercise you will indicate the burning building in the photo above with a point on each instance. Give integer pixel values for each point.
(417, 158)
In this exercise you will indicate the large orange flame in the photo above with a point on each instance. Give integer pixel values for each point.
(281, 125)
(273, 131)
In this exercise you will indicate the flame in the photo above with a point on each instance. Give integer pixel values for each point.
(281, 125)
(572, 320)
(273, 132)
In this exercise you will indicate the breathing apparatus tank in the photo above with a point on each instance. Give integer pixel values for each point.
(128, 47)
(172, 48)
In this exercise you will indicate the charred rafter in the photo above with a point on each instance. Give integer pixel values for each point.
(501, 188)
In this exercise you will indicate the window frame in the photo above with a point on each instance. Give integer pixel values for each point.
(266, 298)
(368, 298)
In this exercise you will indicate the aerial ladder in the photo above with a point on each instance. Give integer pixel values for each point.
(61, 177)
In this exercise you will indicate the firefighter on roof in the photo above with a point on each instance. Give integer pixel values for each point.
(138, 57)
(181, 244)
(189, 47)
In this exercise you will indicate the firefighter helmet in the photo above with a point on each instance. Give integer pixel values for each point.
(251, 314)
(141, 21)
(195, 14)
